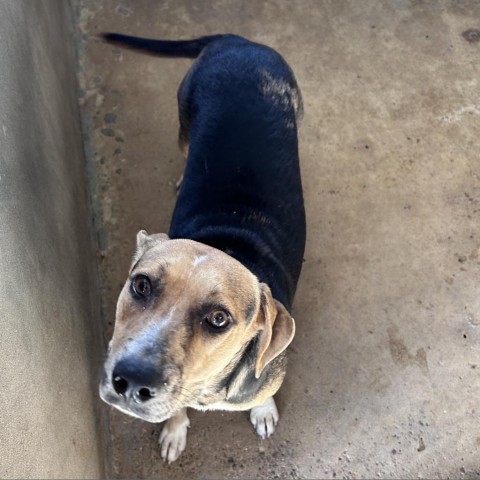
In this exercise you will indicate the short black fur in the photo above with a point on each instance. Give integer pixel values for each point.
(241, 191)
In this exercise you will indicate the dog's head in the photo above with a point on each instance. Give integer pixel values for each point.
(184, 318)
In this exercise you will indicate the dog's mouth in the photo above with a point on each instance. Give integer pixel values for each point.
(155, 410)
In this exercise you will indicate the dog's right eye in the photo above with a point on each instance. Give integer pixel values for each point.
(218, 319)
(141, 286)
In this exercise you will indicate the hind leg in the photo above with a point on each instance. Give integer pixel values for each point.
(183, 95)
(183, 140)
(183, 145)
(184, 112)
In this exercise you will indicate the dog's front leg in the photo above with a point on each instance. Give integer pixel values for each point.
(173, 438)
(264, 418)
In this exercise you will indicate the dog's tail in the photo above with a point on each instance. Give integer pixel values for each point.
(162, 48)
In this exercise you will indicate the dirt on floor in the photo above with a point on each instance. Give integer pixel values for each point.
(383, 376)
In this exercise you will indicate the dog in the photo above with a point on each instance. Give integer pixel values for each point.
(203, 319)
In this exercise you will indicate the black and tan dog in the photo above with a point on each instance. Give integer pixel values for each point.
(203, 320)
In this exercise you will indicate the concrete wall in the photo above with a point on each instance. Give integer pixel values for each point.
(49, 424)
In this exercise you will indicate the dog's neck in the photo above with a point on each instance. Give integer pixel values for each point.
(239, 389)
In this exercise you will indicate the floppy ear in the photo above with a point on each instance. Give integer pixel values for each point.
(146, 242)
(277, 329)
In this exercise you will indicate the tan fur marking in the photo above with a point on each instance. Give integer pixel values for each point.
(189, 277)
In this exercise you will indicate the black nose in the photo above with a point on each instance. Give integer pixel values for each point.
(135, 378)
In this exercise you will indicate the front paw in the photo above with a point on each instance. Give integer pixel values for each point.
(264, 418)
(173, 438)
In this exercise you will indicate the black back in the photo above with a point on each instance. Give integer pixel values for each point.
(242, 191)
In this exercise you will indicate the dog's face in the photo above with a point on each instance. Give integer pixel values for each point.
(183, 320)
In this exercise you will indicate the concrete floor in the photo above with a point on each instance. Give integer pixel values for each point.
(383, 378)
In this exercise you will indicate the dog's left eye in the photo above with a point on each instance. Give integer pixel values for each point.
(218, 319)
(142, 286)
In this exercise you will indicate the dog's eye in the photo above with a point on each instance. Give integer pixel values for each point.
(218, 319)
(142, 286)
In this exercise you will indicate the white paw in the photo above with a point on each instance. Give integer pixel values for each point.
(264, 418)
(173, 438)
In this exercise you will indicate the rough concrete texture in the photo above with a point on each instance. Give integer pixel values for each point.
(383, 378)
(49, 309)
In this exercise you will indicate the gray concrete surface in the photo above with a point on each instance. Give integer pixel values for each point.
(49, 415)
(383, 378)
